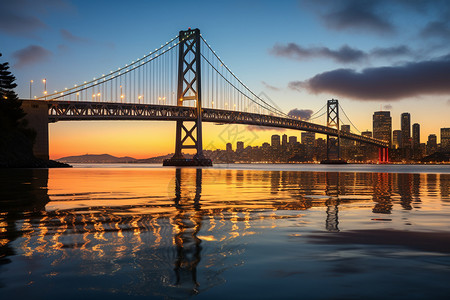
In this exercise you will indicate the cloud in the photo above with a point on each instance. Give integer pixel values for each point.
(270, 87)
(73, 38)
(264, 128)
(389, 52)
(383, 83)
(302, 114)
(30, 55)
(436, 29)
(345, 54)
(14, 24)
(19, 17)
(360, 15)
(387, 107)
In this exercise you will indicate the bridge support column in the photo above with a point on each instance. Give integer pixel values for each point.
(189, 89)
(333, 121)
(37, 117)
(383, 155)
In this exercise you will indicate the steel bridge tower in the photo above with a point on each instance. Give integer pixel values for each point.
(333, 122)
(189, 89)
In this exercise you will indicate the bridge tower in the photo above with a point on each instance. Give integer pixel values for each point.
(189, 89)
(333, 122)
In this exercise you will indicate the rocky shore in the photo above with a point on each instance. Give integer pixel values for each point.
(16, 152)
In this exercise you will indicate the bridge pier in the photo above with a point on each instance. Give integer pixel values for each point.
(383, 155)
(37, 117)
(189, 89)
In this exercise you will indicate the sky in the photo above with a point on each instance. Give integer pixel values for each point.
(370, 55)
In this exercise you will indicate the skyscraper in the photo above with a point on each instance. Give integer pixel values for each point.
(431, 144)
(275, 140)
(396, 139)
(239, 146)
(445, 139)
(406, 130)
(416, 136)
(382, 126)
(284, 140)
(292, 140)
(346, 142)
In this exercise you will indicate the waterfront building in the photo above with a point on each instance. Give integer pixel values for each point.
(406, 130)
(275, 140)
(284, 140)
(239, 147)
(396, 139)
(382, 126)
(292, 140)
(431, 144)
(445, 139)
(416, 136)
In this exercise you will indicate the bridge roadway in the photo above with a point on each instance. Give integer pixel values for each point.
(59, 110)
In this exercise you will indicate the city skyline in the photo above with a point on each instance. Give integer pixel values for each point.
(68, 42)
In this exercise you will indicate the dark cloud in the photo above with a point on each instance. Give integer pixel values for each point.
(345, 54)
(391, 51)
(14, 24)
(376, 16)
(20, 17)
(383, 83)
(264, 128)
(362, 15)
(73, 38)
(30, 55)
(359, 15)
(436, 29)
(270, 87)
(302, 114)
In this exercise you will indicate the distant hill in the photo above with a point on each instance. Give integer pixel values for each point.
(97, 158)
(110, 159)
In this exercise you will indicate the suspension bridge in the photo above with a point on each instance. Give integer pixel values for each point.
(185, 81)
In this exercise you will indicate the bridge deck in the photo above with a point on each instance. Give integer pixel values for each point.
(78, 111)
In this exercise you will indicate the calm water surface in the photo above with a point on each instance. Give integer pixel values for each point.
(228, 232)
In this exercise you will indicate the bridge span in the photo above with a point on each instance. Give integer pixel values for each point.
(52, 111)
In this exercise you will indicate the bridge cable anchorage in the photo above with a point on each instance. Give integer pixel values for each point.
(113, 75)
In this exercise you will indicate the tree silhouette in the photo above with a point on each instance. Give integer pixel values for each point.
(11, 113)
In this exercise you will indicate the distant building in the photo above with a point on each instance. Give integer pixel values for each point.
(308, 139)
(229, 147)
(397, 139)
(284, 140)
(239, 146)
(406, 130)
(382, 126)
(346, 142)
(367, 133)
(416, 136)
(292, 140)
(445, 139)
(275, 140)
(431, 144)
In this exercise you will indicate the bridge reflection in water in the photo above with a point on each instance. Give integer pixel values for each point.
(173, 232)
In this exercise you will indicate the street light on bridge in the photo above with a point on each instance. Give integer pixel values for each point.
(45, 87)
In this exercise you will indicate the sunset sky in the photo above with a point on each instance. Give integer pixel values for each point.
(371, 55)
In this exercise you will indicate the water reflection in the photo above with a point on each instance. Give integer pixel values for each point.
(174, 231)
